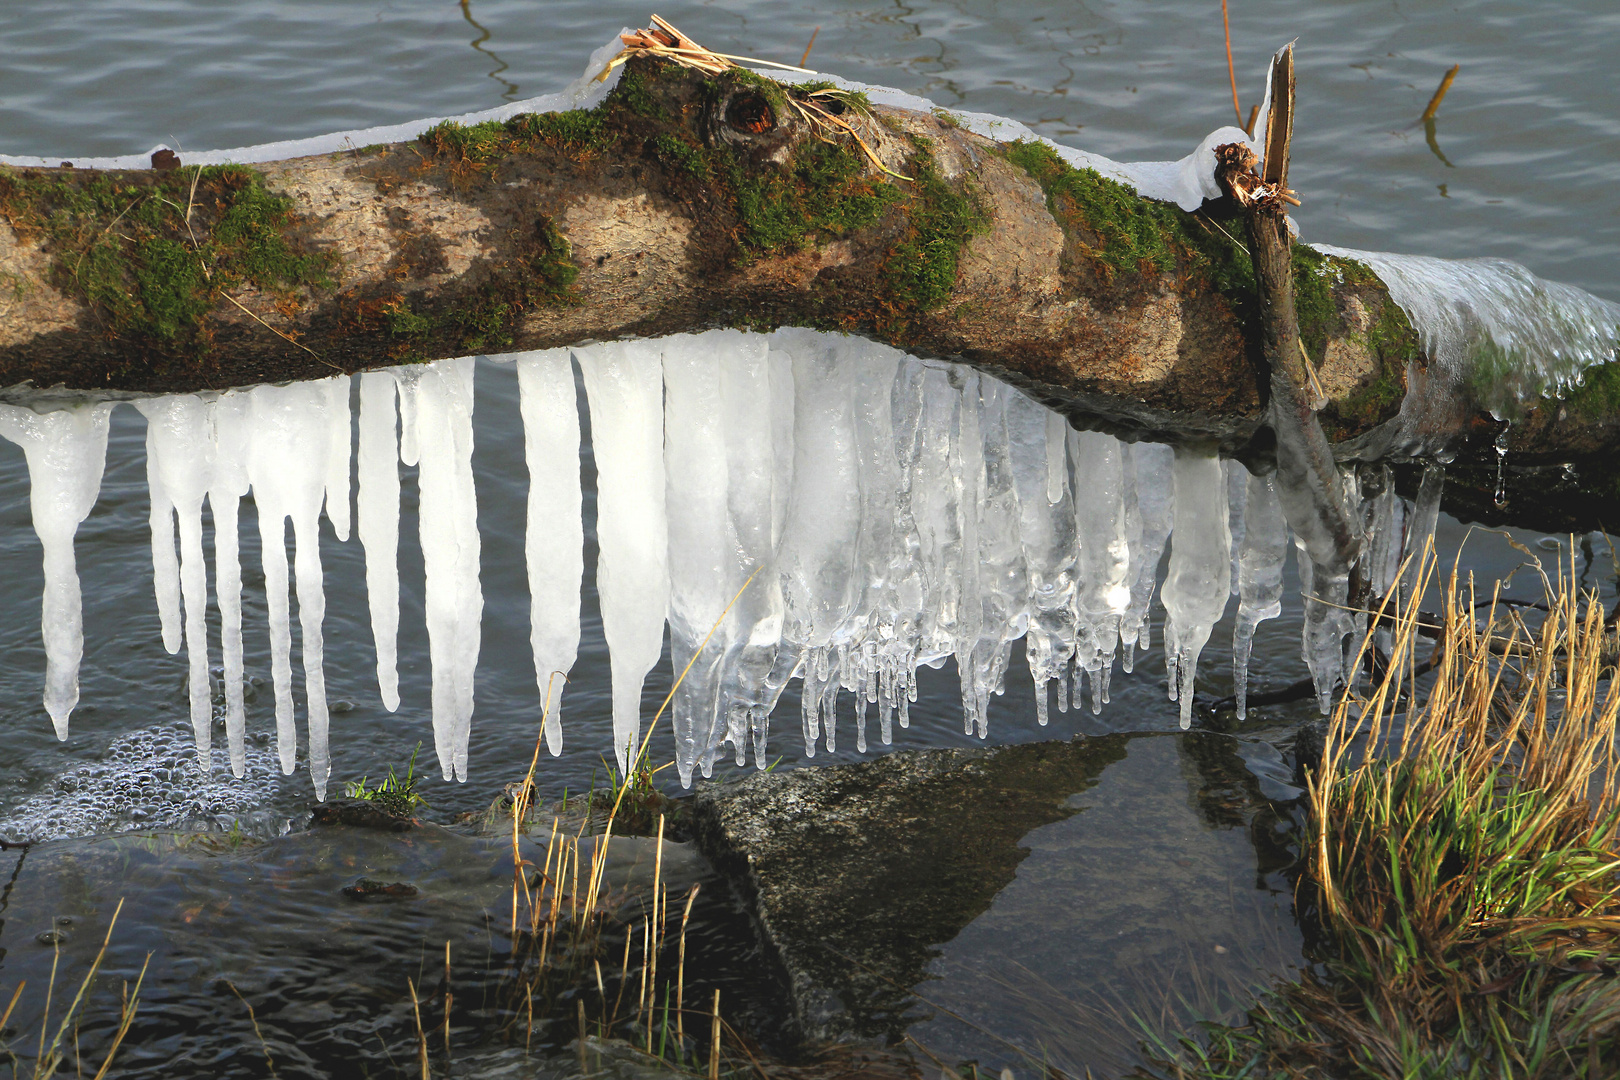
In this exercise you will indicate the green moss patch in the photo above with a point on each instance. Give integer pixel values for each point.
(824, 194)
(683, 154)
(1598, 395)
(1123, 233)
(578, 133)
(152, 252)
(921, 269)
(484, 318)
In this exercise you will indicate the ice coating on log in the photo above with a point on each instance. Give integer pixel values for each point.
(289, 447)
(1261, 555)
(66, 452)
(378, 519)
(624, 389)
(1491, 323)
(554, 535)
(441, 407)
(1197, 585)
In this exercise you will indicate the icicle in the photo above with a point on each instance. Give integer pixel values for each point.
(554, 533)
(341, 436)
(180, 454)
(378, 507)
(967, 473)
(289, 446)
(1237, 497)
(883, 638)
(66, 451)
(1382, 520)
(1261, 555)
(1499, 497)
(1057, 438)
(702, 548)
(1196, 587)
(440, 404)
(1103, 569)
(756, 394)
(165, 564)
(1422, 522)
(1003, 575)
(820, 539)
(1046, 529)
(624, 388)
(1148, 507)
(225, 491)
(769, 633)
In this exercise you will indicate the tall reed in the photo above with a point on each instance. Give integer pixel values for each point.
(1462, 854)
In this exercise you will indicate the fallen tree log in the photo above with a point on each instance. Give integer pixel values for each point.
(688, 201)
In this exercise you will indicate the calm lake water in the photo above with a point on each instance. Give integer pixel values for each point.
(1522, 163)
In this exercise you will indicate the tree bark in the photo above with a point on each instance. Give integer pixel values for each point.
(687, 202)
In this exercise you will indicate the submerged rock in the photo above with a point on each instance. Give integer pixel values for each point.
(360, 814)
(367, 889)
(857, 871)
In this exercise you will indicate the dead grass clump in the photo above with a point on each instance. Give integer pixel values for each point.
(1462, 853)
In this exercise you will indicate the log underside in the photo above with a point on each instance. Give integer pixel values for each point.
(687, 202)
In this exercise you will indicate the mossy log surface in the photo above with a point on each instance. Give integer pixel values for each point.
(687, 202)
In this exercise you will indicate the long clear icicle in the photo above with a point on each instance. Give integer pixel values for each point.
(378, 514)
(440, 410)
(66, 451)
(624, 389)
(290, 445)
(225, 490)
(1046, 529)
(820, 540)
(554, 537)
(1261, 554)
(1103, 589)
(703, 566)
(1199, 582)
(756, 393)
(1149, 515)
(181, 452)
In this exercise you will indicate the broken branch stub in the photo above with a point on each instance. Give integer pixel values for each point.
(1309, 485)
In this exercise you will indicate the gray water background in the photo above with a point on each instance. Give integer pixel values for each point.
(1524, 165)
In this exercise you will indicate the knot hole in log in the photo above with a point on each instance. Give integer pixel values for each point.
(744, 117)
(749, 114)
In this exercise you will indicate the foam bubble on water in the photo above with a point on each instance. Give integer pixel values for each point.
(149, 779)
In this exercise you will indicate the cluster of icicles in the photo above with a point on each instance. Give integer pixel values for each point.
(792, 505)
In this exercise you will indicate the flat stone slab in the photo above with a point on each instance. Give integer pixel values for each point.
(857, 871)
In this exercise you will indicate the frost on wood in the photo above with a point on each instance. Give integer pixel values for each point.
(792, 505)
